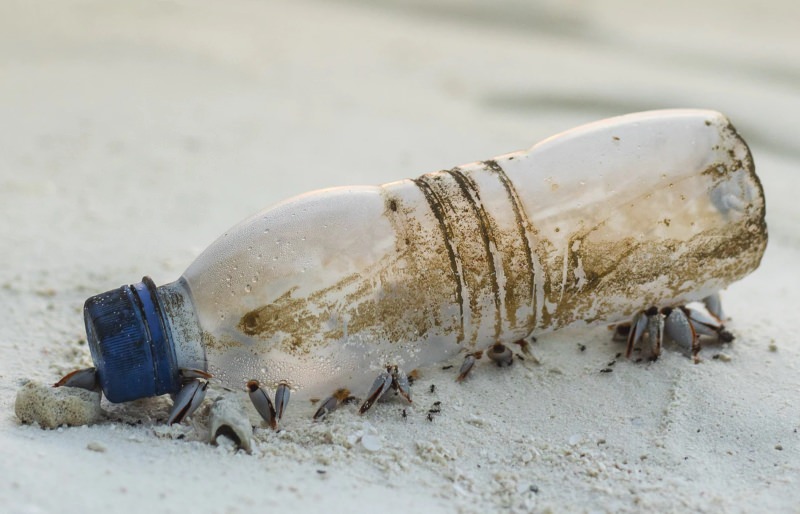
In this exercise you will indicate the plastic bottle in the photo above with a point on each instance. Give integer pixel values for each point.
(325, 289)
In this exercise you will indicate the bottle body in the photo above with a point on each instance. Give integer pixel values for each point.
(325, 290)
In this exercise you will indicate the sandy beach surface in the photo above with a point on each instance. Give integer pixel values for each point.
(133, 134)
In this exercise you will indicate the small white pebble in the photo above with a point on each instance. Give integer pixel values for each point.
(371, 443)
(476, 421)
(575, 439)
(96, 447)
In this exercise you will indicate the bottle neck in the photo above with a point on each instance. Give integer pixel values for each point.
(175, 299)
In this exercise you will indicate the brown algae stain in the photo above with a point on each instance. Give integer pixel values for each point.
(443, 272)
(397, 300)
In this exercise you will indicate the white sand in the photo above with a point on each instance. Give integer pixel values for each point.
(133, 135)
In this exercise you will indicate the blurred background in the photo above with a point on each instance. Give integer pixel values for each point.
(132, 134)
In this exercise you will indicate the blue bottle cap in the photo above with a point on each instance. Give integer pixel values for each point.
(130, 343)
